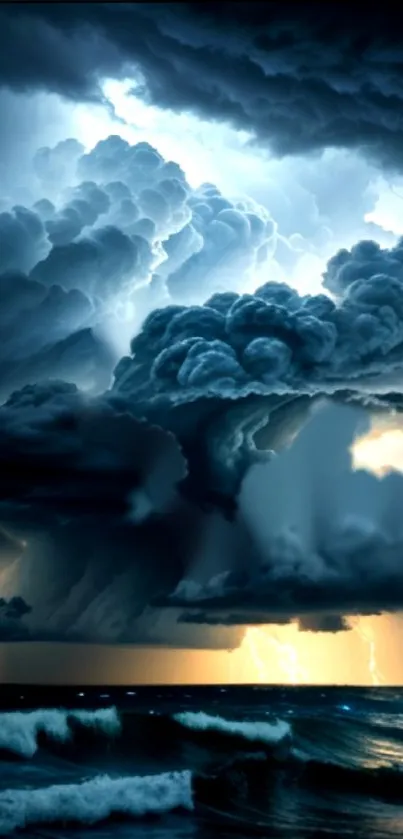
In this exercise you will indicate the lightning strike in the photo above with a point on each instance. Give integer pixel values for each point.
(367, 635)
(288, 661)
(261, 667)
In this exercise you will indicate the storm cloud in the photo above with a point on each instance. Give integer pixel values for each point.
(247, 369)
(299, 79)
(82, 484)
(81, 267)
(326, 541)
(12, 613)
(62, 451)
(169, 470)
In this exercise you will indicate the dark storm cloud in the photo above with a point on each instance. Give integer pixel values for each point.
(326, 541)
(248, 367)
(47, 312)
(12, 626)
(268, 351)
(96, 577)
(80, 483)
(104, 498)
(231, 619)
(233, 379)
(85, 457)
(365, 260)
(309, 623)
(271, 341)
(82, 357)
(93, 492)
(324, 623)
(299, 78)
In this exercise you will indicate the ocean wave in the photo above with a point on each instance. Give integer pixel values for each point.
(254, 732)
(19, 730)
(384, 782)
(96, 800)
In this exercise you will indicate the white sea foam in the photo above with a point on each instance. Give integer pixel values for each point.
(104, 719)
(259, 732)
(95, 800)
(19, 730)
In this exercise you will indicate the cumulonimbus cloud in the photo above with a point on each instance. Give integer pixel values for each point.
(124, 475)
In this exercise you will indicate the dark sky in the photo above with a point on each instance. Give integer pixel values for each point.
(201, 309)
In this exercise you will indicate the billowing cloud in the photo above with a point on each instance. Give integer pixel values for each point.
(22, 239)
(55, 167)
(100, 253)
(101, 264)
(243, 365)
(87, 203)
(298, 79)
(143, 495)
(326, 541)
(227, 241)
(272, 340)
(364, 261)
(45, 335)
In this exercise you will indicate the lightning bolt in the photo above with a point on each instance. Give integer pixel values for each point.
(261, 667)
(287, 654)
(367, 635)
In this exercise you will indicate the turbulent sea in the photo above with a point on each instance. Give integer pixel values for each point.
(165, 763)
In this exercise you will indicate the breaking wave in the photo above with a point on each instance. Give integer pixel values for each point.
(95, 800)
(226, 772)
(254, 732)
(19, 731)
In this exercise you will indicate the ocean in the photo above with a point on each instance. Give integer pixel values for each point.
(201, 762)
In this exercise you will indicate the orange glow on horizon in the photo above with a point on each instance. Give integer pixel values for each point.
(366, 657)
(366, 654)
(287, 655)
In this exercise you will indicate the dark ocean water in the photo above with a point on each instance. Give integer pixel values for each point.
(171, 763)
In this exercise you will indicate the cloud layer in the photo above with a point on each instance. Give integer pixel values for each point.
(298, 79)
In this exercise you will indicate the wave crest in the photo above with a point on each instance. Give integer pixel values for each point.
(254, 732)
(19, 730)
(95, 800)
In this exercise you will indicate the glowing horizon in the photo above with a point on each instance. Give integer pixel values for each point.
(343, 658)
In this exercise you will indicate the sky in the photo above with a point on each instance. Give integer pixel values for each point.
(201, 310)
